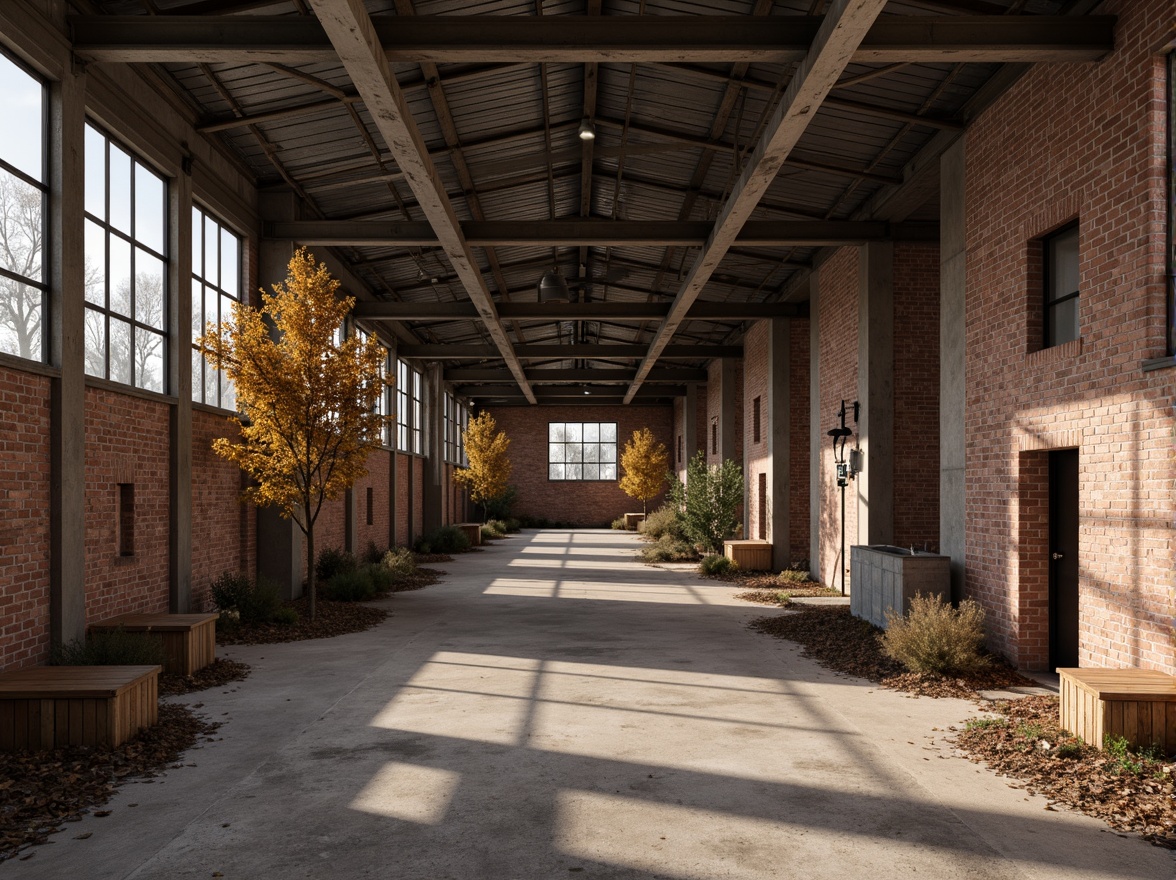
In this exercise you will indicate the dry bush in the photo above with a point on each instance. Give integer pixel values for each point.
(935, 637)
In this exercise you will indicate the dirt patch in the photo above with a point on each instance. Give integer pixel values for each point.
(40, 792)
(1027, 744)
(333, 619)
(844, 643)
(219, 672)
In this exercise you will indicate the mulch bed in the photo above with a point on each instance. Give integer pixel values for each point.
(782, 596)
(41, 791)
(847, 644)
(1030, 747)
(333, 619)
(772, 582)
(219, 672)
(419, 579)
(429, 558)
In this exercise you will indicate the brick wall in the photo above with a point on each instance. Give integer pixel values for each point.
(418, 496)
(916, 395)
(714, 395)
(756, 461)
(24, 518)
(375, 532)
(679, 430)
(224, 530)
(126, 442)
(799, 415)
(587, 504)
(1090, 144)
(402, 498)
(837, 305)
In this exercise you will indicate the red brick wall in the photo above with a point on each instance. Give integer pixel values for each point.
(418, 496)
(126, 442)
(837, 308)
(714, 410)
(1090, 145)
(24, 518)
(755, 453)
(588, 504)
(798, 480)
(916, 395)
(402, 496)
(376, 480)
(224, 530)
(679, 430)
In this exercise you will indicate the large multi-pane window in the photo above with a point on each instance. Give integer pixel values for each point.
(582, 450)
(1061, 286)
(418, 412)
(410, 409)
(384, 402)
(216, 285)
(126, 266)
(457, 419)
(23, 195)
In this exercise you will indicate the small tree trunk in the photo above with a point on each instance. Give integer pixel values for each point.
(643, 512)
(310, 579)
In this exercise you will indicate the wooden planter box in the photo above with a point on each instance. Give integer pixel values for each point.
(189, 640)
(51, 707)
(1137, 704)
(632, 520)
(751, 555)
(473, 531)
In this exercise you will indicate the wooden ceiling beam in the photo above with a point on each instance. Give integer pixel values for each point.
(604, 376)
(597, 395)
(589, 311)
(585, 39)
(354, 40)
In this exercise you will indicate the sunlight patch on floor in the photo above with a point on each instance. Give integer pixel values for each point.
(409, 792)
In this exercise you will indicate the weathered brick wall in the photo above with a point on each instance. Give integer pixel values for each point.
(756, 461)
(418, 496)
(24, 518)
(916, 395)
(837, 305)
(402, 498)
(679, 431)
(126, 442)
(224, 530)
(376, 479)
(1090, 146)
(582, 503)
(714, 410)
(799, 415)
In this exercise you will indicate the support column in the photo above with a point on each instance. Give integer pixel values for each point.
(67, 352)
(952, 290)
(779, 424)
(816, 446)
(727, 408)
(391, 433)
(350, 512)
(180, 384)
(434, 480)
(874, 486)
(689, 427)
(279, 541)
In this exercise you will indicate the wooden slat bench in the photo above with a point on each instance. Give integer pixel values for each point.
(50, 707)
(473, 531)
(632, 520)
(189, 640)
(751, 555)
(1137, 704)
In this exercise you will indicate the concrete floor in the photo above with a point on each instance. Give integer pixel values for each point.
(556, 709)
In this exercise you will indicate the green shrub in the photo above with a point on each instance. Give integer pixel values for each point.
(498, 525)
(249, 601)
(286, 616)
(333, 561)
(935, 637)
(372, 554)
(1136, 762)
(709, 501)
(794, 576)
(447, 539)
(716, 565)
(382, 578)
(400, 563)
(110, 648)
(491, 534)
(661, 522)
(499, 508)
(669, 549)
(618, 524)
(350, 586)
(512, 524)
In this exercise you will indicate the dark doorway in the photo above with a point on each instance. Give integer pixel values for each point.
(1063, 558)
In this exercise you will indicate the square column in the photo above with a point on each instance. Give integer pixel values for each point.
(874, 486)
(779, 437)
(952, 337)
(816, 447)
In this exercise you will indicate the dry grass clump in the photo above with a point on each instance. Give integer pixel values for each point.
(936, 638)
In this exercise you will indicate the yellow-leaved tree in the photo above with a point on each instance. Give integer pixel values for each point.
(309, 403)
(645, 463)
(488, 472)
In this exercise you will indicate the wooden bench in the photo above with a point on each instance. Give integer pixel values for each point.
(473, 531)
(632, 520)
(1137, 704)
(50, 707)
(751, 555)
(189, 640)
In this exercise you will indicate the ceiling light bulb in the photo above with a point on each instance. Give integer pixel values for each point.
(587, 129)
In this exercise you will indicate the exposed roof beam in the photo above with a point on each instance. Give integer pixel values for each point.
(571, 394)
(534, 351)
(843, 29)
(357, 45)
(607, 376)
(597, 233)
(590, 311)
(581, 39)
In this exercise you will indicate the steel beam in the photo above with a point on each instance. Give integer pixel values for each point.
(587, 39)
(572, 394)
(591, 311)
(620, 351)
(605, 376)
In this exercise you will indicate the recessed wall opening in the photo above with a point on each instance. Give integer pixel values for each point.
(762, 506)
(755, 420)
(125, 540)
(370, 505)
(714, 438)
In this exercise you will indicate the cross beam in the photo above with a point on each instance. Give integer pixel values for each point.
(539, 351)
(586, 39)
(598, 233)
(591, 311)
(605, 376)
(571, 394)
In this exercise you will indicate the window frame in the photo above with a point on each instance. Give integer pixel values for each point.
(410, 409)
(615, 462)
(134, 244)
(44, 285)
(1048, 302)
(222, 294)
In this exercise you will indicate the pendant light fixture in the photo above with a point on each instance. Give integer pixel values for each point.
(553, 287)
(587, 130)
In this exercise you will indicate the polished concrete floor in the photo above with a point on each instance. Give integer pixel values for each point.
(556, 709)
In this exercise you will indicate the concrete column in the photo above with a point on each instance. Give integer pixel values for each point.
(874, 486)
(727, 408)
(779, 427)
(279, 541)
(67, 352)
(434, 480)
(180, 384)
(689, 427)
(350, 512)
(952, 290)
(816, 446)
